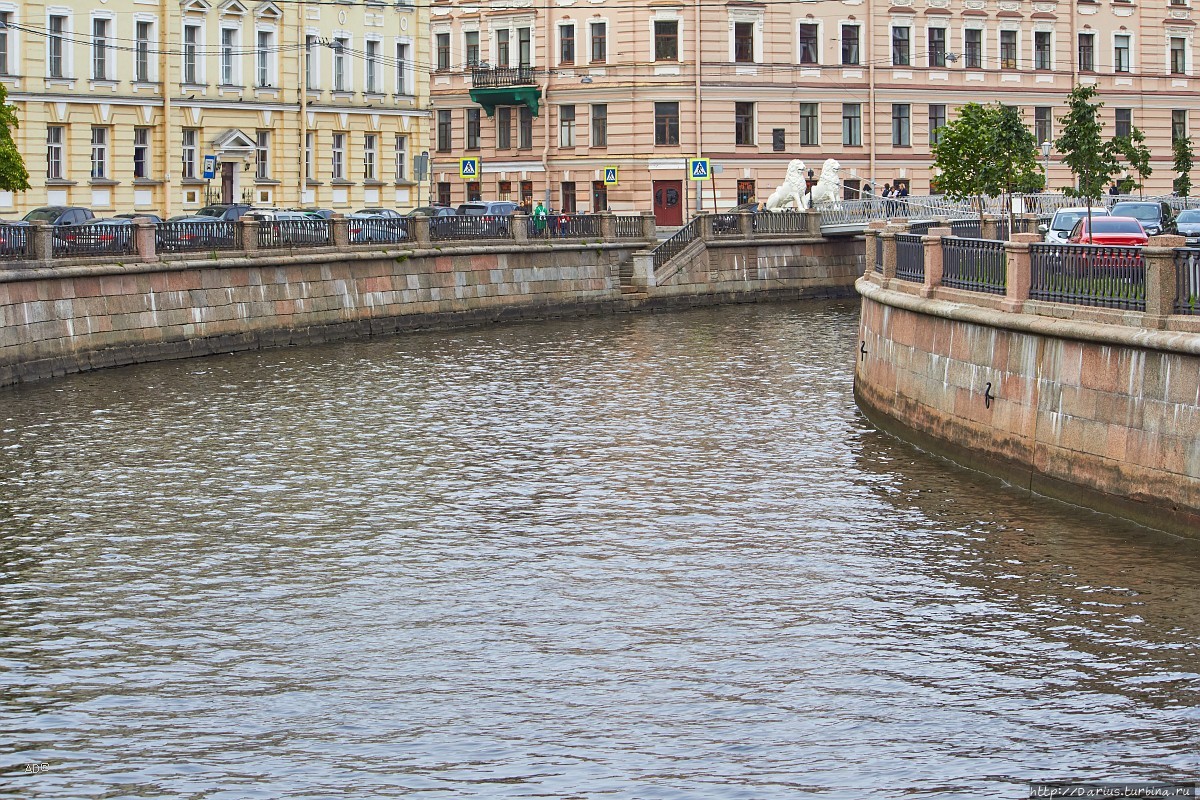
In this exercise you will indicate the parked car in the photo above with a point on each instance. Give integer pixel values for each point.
(190, 232)
(1156, 216)
(155, 218)
(60, 215)
(1188, 225)
(226, 212)
(495, 213)
(1108, 230)
(725, 225)
(289, 227)
(389, 213)
(1059, 229)
(431, 211)
(364, 228)
(321, 213)
(96, 236)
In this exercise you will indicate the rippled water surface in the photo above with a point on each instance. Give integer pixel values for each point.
(653, 556)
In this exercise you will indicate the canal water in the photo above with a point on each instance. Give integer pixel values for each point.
(647, 556)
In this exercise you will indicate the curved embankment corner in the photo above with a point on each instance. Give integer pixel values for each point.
(1100, 415)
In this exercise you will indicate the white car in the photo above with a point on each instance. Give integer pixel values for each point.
(1064, 220)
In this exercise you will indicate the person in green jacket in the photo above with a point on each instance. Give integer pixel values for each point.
(539, 218)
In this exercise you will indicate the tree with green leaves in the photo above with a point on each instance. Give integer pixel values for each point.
(1182, 150)
(1092, 159)
(1133, 149)
(987, 151)
(13, 175)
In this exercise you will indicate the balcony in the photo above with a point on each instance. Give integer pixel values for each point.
(504, 86)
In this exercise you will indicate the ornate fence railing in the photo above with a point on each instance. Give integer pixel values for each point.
(779, 222)
(725, 225)
(576, 226)
(910, 257)
(966, 228)
(674, 245)
(192, 237)
(1187, 281)
(627, 227)
(93, 240)
(975, 264)
(1088, 275)
(14, 242)
(381, 230)
(274, 234)
(459, 227)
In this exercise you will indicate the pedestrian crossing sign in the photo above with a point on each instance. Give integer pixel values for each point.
(698, 169)
(610, 176)
(468, 168)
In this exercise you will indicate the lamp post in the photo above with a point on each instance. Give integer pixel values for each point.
(1046, 163)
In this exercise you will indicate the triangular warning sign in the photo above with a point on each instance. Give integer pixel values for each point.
(699, 169)
(610, 176)
(468, 168)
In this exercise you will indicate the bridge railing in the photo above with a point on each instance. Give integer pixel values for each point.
(676, 243)
(975, 264)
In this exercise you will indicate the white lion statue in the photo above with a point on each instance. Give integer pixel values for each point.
(828, 191)
(790, 193)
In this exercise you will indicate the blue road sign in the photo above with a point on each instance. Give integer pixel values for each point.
(210, 167)
(610, 176)
(698, 169)
(468, 168)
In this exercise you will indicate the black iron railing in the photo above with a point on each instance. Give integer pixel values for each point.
(1088, 275)
(726, 225)
(781, 222)
(191, 237)
(381, 230)
(627, 227)
(672, 247)
(966, 228)
(495, 77)
(575, 226)
(975, 264)
(910, 257)
(459, 226)
(920, 227)
(294, 233)
(14, 242)
(1187, 281)
(93, 240)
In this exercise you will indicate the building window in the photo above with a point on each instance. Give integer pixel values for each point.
(190, 137)
(339, 156)
(228, 44)
(852, 124)
(473, 128)
(5, 21)
(310, 63)
(743, 124)
(973, 48)
(937, 47)
(524, 48)
(666, 40)
(566, 44)
(100, 49)
(807, 44)
(1043, 124)
(372, 68)
(1178, 55)
(1087, 52)
(937, 121)
(402, 70)
(339, 64)
(743, 42)
(370, 156)
(58, 27)
(265, 58)
(262, 155)
(401, 153)
(1008, 49)
(471, 48)
(1041, 50)
(1121, 59)
(901, 125)
(809, 122)
(599, 125)
(524, 128)
(566, 126)
(901, 47)
(850, 51)
(501, 48)
(310, 141)
(444, 127)
(666, 123)
(99, 152)
(54, 153)
(443, 194)
(1124, 121)
(442, 47)
(191, 55)
(569, 204)
(599, 41)
(1179, 125)
(503, 128)
(143, 32)
(141, 152)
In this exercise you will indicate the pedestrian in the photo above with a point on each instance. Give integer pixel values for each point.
(539, 218)
(1114, 190)
(889, 208)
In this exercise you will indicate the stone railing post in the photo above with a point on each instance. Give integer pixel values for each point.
(41, 241)
(608, 227)
(889, 253)
(339, 231)
(812, 222)
(143, 238)
(989, 227)
(932, 242)
(1161, 284)
(872, 232)
(420, 230)
(649, 227)
(520, 227)
(249, 235)
(643, 269)
(1019, 270)
(746, 224)
(704, 226)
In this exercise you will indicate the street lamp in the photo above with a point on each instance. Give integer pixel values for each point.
(1046, 162)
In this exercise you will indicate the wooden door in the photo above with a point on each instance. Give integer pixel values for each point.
(227, 182)
(668, 203)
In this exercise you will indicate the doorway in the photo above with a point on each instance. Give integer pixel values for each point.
(227, 181)
(745, 191)
(668, 203)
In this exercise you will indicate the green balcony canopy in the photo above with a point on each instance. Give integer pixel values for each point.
(490, 97)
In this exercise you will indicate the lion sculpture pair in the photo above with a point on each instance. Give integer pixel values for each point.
(791, 194)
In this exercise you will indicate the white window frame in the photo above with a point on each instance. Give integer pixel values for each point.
(312, 59)
(189, 151)
(12, 65)
(337, 152)
(755, 18)
(370, 156)
(201, 76)
(607, 38)
(478, 46)
(66, 42)
(983, 40)
(820, 25)
(938, 25)
(109, 54)
(104, 149)
(842, 24)
(61, 147)
(1132, 52)
(376, 63)
(891, 49)
(817, 103)
(403, 74)
(1000, 31)
(235, 59)
(563, 130)
(148, 151)
(262, 154)
(1173, 33)
(310, 149)
(347, 66)
(558, 30)
(668, 15)
(151, 47)
(266, 57)
(1033, 48)
(400, 152)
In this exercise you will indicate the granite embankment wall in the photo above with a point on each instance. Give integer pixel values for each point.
(1095, 407)
(69, 317)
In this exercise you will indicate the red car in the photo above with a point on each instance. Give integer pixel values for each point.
(1111, 231)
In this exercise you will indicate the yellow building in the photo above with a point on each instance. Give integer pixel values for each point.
(161, 106)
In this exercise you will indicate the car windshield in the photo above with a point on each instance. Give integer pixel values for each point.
(210, 211)
(1148, 212)
(1189, 217)
(474, 211)
(1065, 220)
(1116, 225)
(43, 215)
